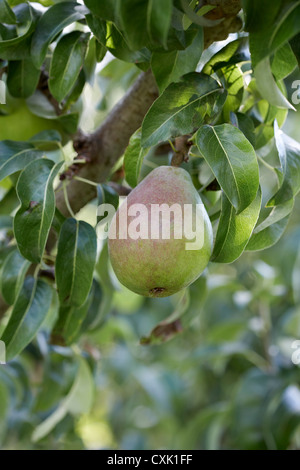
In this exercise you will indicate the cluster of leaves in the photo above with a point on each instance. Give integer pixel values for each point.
(230, 101)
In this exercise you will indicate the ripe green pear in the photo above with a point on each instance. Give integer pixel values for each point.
(153, 265)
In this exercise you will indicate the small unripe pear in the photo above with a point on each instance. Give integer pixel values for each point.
(154, 265)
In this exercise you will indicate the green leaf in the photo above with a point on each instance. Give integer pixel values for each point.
(68, 325)
(270, 230)
(98, 28)
(171, 326)
(22, 78)
(118, 47)
(234, 230)
(233, 161)
(94, 308)
(66, 63)
(102, 270)
(275, 31)
(44, 138)
(234, 84)
(38, 104)
(53, 21)
(134, 25)
(245, 124)
(284, 62)
(6, 13)
(107, 195)
(12, 276)
(260, 15)
(14, 156)
(267, 85)
(168, 67)
(133, 159)
(29, 312)
(289, 176)
(78, 401)
(233, 53)
(75, 262)
(159, 20)
(33, 220)
(104, 9)
(12, 45)
(182, 108)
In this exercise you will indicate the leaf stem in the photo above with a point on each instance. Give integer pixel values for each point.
(84, 180)
(172, 146)
(67, 200)
(36, 271)
(270, 167)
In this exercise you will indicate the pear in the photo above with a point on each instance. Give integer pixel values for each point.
(146, 257)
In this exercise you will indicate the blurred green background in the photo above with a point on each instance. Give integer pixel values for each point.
(230, 380)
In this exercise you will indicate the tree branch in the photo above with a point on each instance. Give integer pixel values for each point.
(104, 147)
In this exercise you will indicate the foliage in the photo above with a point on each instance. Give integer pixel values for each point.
(227, 380)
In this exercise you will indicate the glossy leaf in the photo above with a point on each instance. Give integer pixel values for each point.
(68, 325)
(234, 84)
(118, 47)
(14, 156)
(12, 276)
(133, 159)
(76, 258)
(233, 53)
(276, 29)
(159, 20)
(270, 230)
(133, 26)
(22, 78)
(168, 67)
(53, 21)
(66, 63)
(17, 47)
(98, 28)
(284, 62)
(245, 124)
(182, 107)
(234, 230)
(29, 312)
(104, 9)
(233, 161)
(6, 13)
(289, 175)
(45, 138)
(267, 86)
(94, 309)
(33, 220)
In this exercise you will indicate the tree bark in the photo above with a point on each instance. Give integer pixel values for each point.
(105, 146)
